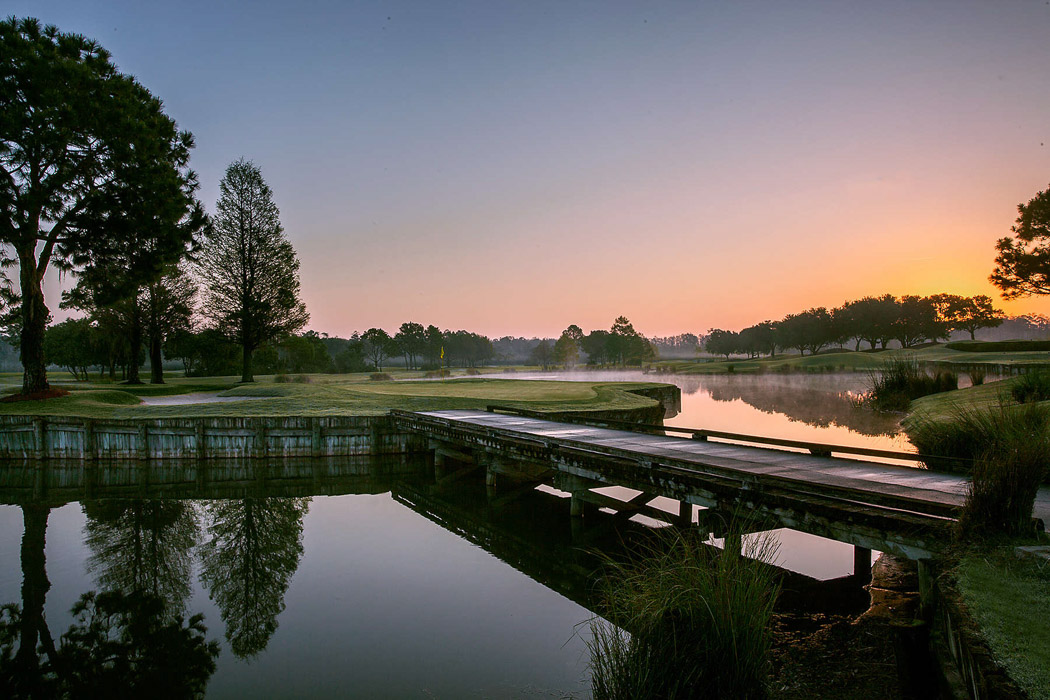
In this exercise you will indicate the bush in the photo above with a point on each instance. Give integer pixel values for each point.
(281, 378)
(1031, 386)
(301, 379)
(437, 374)
(380, 377)
(692, 621)
(894, 388)
(977, 374)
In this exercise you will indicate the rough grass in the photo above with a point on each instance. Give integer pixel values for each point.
(691, 621)
(333, 395)
(1009, 600)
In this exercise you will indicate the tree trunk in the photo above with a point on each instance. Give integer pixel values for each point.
(246, 365)
(135, 340)
(156, 367)
(34, 321)
(972, 336)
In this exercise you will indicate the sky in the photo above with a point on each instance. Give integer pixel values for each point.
(511, 168)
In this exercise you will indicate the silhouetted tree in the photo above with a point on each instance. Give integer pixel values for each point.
(722, 342)
(168, 305)
(92, 168)
(352, 357)
(411, 339)
(872, 319)
(253, 548)
(1022, 266)
(542, 355)
(969, 314)
(378, 345)
(917, 321)
(567, 347)
(811, 330)
(249, 270)
(305, 353)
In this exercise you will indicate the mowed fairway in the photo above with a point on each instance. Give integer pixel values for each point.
(331, 395)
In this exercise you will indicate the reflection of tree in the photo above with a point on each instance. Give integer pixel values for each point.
(142, 546)
(808, 400)
(119, 646)
(253, 549)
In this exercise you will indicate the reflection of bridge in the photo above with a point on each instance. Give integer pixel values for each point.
(532, 533)
(904, 510)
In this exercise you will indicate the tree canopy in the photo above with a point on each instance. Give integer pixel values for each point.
(1022, 266)
(92, 171)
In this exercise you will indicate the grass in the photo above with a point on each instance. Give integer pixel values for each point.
(1031, 387)
(691, 621)
(1009, 599)
(332, 395)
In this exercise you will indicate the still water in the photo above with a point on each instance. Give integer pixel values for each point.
(356, 578)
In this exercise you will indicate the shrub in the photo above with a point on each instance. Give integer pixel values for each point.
(470, 371)
(977, 374)
(437, 374)
(894, 388)
(1031, 386)
(301, 379)
(691, 621)
(281, 378)
(381, 377)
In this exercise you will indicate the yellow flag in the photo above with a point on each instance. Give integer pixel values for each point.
(442, 352)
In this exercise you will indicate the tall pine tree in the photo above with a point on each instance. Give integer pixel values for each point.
(249, 271)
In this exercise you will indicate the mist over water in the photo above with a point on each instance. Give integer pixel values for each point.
(808, 407)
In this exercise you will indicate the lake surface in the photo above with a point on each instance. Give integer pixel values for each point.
(362, 578)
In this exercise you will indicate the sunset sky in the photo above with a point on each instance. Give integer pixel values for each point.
(514, 167)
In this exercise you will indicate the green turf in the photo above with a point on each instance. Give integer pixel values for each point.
(1009, 600)
(333, 395)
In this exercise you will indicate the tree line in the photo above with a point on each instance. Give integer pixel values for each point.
(874, 320)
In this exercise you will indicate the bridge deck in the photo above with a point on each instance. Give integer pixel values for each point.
(935, 490)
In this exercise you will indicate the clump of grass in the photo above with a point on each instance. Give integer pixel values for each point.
(437, 374)
(380, 377)
(1003, 486)
(1031, 387)
(281, 378)
(691, 621)
(971, 432)
(301, 379)
(471, 372)
(894, 388)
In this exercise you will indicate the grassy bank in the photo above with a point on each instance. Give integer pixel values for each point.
(320, 395)
(1008, 599)
(866, 361)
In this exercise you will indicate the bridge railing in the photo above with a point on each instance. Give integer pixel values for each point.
(955, 464)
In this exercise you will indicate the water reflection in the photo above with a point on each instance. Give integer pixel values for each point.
(119, 645)
(253, 548)
(143, 546)
(414, 608)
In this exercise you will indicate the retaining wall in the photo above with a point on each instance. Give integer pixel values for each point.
(34, 437)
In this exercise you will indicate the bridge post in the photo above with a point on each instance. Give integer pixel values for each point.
(862, 563)
(926, 599)
(685, 514)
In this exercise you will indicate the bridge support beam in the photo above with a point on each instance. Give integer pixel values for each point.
(862, 563)
(685, 514)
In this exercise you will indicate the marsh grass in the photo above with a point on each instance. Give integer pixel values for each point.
(894, 388)
(686, 620)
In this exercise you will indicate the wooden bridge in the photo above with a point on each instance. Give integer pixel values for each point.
(873, 505)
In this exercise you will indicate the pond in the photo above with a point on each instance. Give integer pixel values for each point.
(361, 577)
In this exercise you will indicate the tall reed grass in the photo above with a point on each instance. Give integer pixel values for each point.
(686, 620)
(894, 388)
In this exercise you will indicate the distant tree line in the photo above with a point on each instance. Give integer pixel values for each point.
(875, 321)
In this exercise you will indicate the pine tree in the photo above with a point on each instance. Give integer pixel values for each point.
(249, 271)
